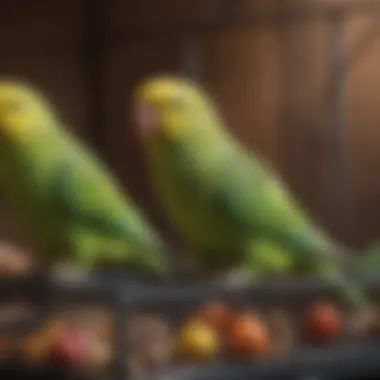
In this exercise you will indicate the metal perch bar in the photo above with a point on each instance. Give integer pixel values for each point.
(105, 290)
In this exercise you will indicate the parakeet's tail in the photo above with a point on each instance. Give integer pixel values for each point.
(154, 261)
(369, 259)
(351, 293)
(141, 257)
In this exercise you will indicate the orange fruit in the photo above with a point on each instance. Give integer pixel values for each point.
(249, 337)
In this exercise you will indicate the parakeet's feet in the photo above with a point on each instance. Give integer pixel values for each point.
(112, 275)
(43, 295)
(66, 272)
(235, 279)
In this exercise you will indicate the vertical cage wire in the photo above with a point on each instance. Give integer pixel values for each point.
(340, 175)
(95, 52)
(190, 48)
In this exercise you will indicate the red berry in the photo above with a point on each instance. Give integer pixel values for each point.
(324, 321)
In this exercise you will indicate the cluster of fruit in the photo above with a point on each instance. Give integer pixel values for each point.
(248, 334)
(65, 343)
(84, 341)
(217, 331)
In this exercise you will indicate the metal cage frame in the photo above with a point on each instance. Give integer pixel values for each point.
(124, 297)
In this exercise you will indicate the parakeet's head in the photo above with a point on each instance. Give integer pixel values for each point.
(169, 108)
(23, 111)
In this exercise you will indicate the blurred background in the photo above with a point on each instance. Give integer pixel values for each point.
(296, 79)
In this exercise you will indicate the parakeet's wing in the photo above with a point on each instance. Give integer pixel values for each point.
(88, 196)
(255, 200)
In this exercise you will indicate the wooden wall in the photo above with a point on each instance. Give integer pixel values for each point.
(271, 82)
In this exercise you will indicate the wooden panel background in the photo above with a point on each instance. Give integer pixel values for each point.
(275, 103)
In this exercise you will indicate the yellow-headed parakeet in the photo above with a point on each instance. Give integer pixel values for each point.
(66, 199)
(231, 208)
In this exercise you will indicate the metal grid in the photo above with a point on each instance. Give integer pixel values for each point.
(125, 296)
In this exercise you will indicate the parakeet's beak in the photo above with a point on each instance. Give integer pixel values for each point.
(146, 120)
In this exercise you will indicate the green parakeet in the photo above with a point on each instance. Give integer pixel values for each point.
(66, 199)
(230, 207)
